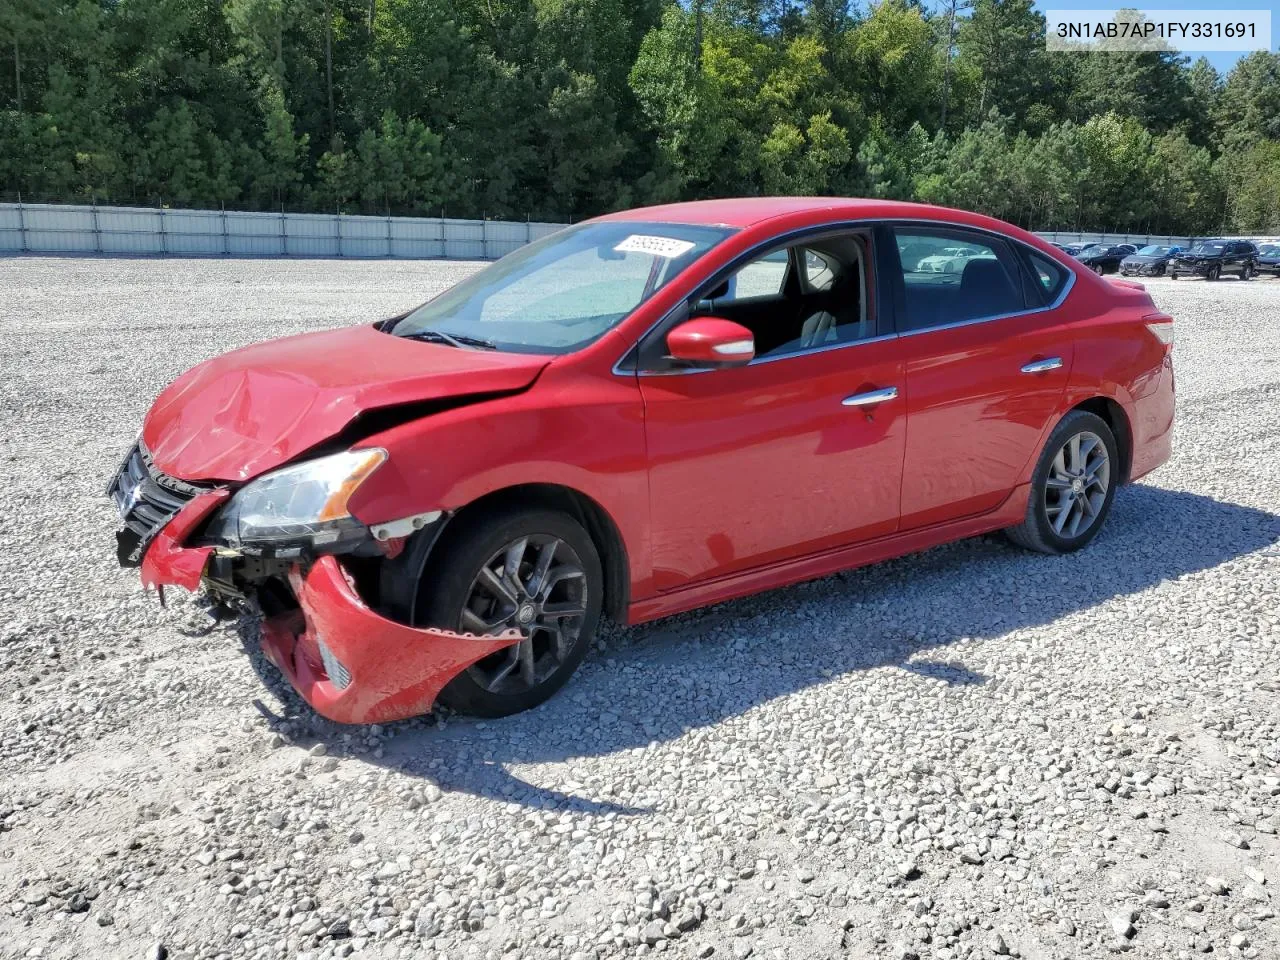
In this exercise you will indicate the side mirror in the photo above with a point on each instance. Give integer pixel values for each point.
(711, 342)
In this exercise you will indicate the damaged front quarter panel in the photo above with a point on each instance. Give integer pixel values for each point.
(385, 670)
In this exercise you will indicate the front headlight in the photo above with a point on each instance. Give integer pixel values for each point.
(302, 505)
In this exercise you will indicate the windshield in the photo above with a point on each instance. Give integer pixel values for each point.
(1208, 248)
(1152, 250)
(562, 292)
(1269, 249)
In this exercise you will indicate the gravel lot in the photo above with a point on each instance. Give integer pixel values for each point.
(973, 752)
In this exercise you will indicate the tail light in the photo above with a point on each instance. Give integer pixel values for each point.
(1161, 327)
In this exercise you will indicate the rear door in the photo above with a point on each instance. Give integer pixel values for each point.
(988, 352)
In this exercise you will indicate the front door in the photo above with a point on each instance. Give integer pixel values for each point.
(797, 452)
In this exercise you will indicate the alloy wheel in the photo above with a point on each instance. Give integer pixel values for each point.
(1077, 485)
(536, 585)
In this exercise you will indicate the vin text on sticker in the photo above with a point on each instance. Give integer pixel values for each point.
(657, 246)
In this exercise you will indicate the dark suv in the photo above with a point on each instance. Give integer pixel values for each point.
(1268, 259)
(1212, 258)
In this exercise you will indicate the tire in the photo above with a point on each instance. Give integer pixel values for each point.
(1037, 531)
(1214, 272)
(1099, 270)
(1245, 272)
(449, 584)
(1173, 274)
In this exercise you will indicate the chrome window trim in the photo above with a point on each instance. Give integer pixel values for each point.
(834, 227)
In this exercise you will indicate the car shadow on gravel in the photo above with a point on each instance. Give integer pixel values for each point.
(653, 683)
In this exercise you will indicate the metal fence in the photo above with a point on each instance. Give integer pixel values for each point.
(147, 231)
(142, 231)
(1137, 239)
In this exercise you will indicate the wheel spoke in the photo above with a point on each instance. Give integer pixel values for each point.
(558, 575)
(559, 638)
(505, 669)
(1088, 507)
(570, 608)
(496, 585)
(475, 623)
(1077, 513)
(1063, 515)
(1056, 482)
(1060, 463)
(511, 566)
(524, 654)
(1087, 446)
(540, 568)
(1073, 454)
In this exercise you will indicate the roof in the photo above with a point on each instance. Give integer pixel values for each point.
(746, 211)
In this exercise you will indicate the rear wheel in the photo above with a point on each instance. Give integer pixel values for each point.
(1246, 272)
(528, 569)
(1072, 487)
(1214, 272)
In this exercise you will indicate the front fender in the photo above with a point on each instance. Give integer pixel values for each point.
(575, 430)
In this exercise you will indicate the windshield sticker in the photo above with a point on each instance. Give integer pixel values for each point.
(657, 246)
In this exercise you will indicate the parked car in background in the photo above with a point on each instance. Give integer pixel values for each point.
(1148, 261)
(1105, 258)
(1212, 258)
(951, 260)
(644, 413)
(1268, 259)
(1070, 249)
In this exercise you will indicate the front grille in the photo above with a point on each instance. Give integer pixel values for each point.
(146, 500)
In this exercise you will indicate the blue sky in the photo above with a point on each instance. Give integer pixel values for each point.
(1224, 60)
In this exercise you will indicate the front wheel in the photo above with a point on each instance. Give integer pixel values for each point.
(1214, 272)
(1246, 272)
(529, 569)
(1072, 487)
(1098, 269)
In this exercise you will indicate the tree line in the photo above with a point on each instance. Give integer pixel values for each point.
(568, 108)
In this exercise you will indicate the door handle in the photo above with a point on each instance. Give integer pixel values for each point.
(870, 397)
(1043, 366)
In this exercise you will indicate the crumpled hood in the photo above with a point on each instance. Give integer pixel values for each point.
(251, 410)
(1144, 259)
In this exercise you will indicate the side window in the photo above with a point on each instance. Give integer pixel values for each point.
(819, 270)
(809, 296)
(954, 276)
(765, 277)
(1050, 275)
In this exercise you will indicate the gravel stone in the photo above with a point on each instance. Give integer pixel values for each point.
(990, 719)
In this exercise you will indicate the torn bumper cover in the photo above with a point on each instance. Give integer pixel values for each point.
(353, 665)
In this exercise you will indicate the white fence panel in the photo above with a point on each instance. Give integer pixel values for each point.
(141, 231)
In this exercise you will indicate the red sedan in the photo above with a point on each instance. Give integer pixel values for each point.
(641, 414)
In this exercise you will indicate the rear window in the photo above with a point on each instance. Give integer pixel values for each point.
(1050, 275)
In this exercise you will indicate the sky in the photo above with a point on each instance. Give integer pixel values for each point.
(1222, 60)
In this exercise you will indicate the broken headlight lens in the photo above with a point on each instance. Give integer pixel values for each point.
(300, 506)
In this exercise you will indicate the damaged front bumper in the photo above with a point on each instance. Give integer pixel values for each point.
(350, 663)
(355, 666)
